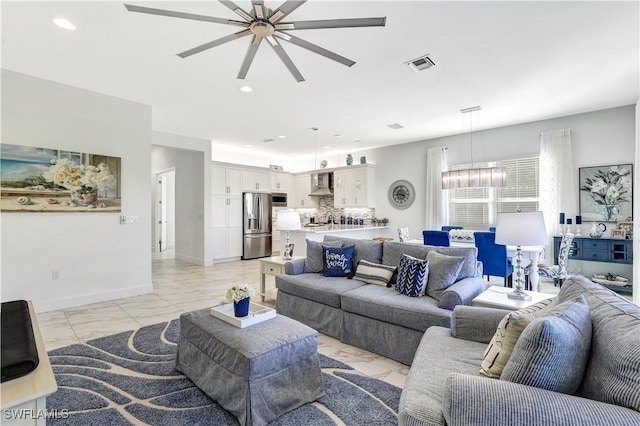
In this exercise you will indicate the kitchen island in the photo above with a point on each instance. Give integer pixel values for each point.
(317, 233)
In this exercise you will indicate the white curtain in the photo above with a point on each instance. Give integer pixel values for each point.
(558, 188)
(437, 198)
(636, 209)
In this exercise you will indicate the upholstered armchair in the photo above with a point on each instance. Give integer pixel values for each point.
(557, 272)
(493, 256)
(435, 238)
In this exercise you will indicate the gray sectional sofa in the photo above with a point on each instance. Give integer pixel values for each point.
(444, 385)
(369, 316)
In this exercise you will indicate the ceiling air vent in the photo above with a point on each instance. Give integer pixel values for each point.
(421, 63)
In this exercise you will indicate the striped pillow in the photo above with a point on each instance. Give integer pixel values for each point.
(412, 276)
(507, 334)
(374, 273)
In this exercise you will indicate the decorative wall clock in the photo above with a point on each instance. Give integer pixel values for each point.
(401, 194)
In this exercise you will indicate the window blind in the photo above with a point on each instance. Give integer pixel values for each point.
(477, 208)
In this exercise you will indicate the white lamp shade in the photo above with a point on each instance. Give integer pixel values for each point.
(288, 221)
(521, 229)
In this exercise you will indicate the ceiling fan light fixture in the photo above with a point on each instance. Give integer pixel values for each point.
(244, 14)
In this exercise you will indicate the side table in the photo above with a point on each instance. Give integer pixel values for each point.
(496, 297)
(273, 265)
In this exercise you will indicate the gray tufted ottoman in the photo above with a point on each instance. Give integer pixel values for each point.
(256, 373)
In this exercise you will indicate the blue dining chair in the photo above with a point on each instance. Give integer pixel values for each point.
(493, 257)
(435, 238)
(450, 227)
(492, 229)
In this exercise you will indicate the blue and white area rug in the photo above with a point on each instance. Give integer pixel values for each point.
(129, 379)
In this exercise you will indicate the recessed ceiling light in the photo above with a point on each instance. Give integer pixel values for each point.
(248, 146)
(246, 89)
(282, 137)
(327, 147)
(64, 23)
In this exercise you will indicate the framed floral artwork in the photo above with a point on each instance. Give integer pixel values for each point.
(34, 179)
(606, 193)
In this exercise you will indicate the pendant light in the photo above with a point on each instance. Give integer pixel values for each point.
(473, 177)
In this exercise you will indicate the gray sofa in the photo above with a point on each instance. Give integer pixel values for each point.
(444, 385)
(369, 316)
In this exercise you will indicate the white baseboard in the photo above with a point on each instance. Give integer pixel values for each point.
(85, 299)
(190, 259)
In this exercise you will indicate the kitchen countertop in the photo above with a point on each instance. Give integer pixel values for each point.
(337, 228)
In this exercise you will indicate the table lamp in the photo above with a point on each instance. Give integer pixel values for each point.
(520, 229)
(288, 221)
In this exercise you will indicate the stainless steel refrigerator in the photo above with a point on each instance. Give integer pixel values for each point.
(256, 219)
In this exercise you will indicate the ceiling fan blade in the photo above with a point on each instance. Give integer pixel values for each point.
(285, 58)
(286, 8)
(237, 9)
(214, 43)
(334, 23)
(172, 14)
(315, 49)
(258, 8)
(248, 58)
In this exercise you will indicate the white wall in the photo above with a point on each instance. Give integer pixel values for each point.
(599, 138)
(98, 259)
(190, 157)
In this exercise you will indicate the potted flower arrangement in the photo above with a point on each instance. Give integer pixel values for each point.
(82, 180)
(240, 295)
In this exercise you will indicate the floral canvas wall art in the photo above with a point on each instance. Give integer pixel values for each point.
(606, 193)
(36, 179)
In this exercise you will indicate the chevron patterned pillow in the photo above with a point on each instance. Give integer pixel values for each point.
(412, 276)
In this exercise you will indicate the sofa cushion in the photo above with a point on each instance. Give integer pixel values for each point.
(365, 249)
(504, 340)
(374, 273)
(438, 355)
(386, 304)
(613, 372)
(316, 287)
(313, 262)
(443, 272)
(337, 261)
(552, 352)
(412, 276)
(470, 263)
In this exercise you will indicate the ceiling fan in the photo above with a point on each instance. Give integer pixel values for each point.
(263, 23)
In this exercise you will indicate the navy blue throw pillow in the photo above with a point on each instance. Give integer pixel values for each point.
(337, 261)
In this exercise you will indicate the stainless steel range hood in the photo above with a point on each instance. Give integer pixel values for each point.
(321, 184)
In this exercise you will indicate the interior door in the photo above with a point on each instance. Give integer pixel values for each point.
(162, 213)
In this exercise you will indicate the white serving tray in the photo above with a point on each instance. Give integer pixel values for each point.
(257, 313)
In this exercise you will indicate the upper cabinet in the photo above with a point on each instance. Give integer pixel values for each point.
(279, 182)
(226, 180)
(354, 187)
(256, 180)
(302, 189)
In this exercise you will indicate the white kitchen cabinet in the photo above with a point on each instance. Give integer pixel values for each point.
(279, 182)
(227, 227)
(256, 180)
(303, 188)
(354, 187)
(226, 180)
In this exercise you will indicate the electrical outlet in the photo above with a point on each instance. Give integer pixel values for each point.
(123, 220)
(55, 274)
